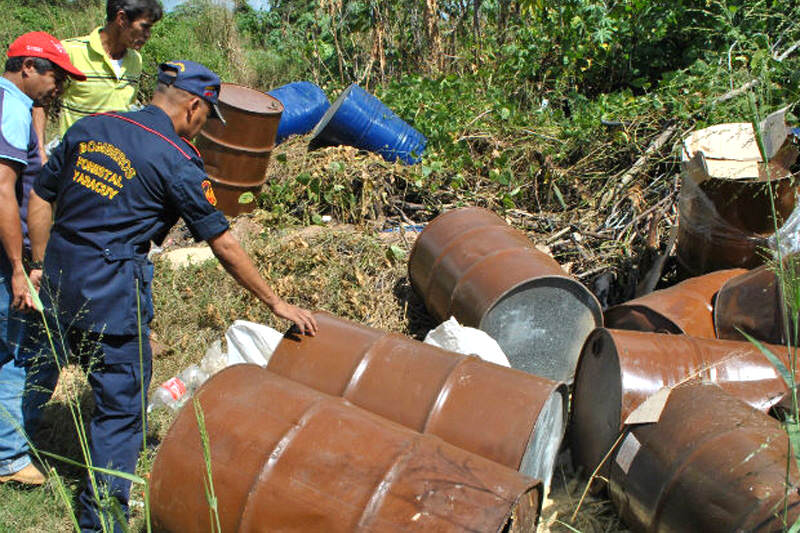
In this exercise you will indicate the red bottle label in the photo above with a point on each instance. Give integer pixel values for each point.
(175, 387)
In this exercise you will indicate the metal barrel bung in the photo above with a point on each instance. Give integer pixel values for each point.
(236, 155)
(359, 119)
(753, 302)
(620, 369)
(711, 463)
(685, 308)
(470, 264)
(304, 104)
(511, 417)
(285, 457)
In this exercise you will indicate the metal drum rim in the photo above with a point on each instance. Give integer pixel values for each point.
(596, 309)
(225, 104)
(236, 148)
(560, 388)
(235, 185)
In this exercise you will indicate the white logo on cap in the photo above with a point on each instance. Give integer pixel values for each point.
(35, 48)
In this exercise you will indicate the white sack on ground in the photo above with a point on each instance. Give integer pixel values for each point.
(452, 336)
(249, 342)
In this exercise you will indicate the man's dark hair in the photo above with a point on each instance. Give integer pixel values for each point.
(135, 9)
(42, 65)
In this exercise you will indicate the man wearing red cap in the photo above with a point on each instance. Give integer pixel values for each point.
(35, 71)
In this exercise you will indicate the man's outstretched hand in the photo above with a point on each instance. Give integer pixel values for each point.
(302, 318)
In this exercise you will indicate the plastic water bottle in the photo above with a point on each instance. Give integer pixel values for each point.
(169, 394)
(174, 392)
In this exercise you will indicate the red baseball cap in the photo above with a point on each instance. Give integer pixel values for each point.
(44, 45)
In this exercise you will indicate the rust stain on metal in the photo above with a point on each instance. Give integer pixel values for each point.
(470, 264)
(286, 457)
(685, 308)
(236, 155)
(620, 369)
(511, 417)
(711, 463)
(751, 302)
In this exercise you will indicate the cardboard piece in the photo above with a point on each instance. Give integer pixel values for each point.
(730, 151)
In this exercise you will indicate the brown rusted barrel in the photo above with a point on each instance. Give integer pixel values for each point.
(724, 223)
(285, 457)
(511, 417)
(236, 155)
(711, 463)
(685, 308)
(620, 369)
(752, 302)
(470, 264)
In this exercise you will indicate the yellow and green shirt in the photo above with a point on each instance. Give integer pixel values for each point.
(105, 88)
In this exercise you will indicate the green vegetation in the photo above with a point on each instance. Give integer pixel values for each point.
(543, 111)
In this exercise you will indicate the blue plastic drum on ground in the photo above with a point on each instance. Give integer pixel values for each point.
(359, 119)
(303, 105)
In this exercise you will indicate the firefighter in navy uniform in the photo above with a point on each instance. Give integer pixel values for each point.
(117, 182)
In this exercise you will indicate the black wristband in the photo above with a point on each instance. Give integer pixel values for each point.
(35, 265)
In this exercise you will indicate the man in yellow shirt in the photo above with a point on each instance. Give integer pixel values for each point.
(110, 59)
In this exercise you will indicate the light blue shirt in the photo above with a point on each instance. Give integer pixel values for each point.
(15, 122)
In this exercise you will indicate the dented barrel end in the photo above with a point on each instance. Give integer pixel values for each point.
(541, 325)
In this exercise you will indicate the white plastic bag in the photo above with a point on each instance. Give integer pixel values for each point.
(452, 336)
(249, 342)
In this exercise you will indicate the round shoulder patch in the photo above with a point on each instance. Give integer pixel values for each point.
(209, 192)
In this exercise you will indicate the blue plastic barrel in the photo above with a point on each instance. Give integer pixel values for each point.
(303, 105)
(359, 119)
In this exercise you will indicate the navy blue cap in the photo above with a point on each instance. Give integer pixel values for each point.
(193, 78)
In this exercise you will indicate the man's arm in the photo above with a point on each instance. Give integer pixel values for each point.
(39, 115)
(11, 234)
(238, 264)
(40, 218)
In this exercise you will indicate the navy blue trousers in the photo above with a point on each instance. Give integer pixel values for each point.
(118, 421)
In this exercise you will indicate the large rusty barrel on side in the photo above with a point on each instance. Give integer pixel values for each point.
(685, 308)
(711, 463)
(236, 155)
(470, 264)
(620, 369)
(753, 302)
(511, 417)
(285, 457)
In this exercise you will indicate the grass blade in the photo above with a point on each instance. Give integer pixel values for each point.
(787, 376)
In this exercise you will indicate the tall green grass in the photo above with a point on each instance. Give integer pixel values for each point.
(109, 510)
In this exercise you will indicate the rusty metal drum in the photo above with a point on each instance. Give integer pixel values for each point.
(234, 199)
(685, 308)
(236, 155)
(285, 457)
(753, 303)
(724, 223)
(508, 416)
(620, 369)
(711, 463)
(470, 264)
